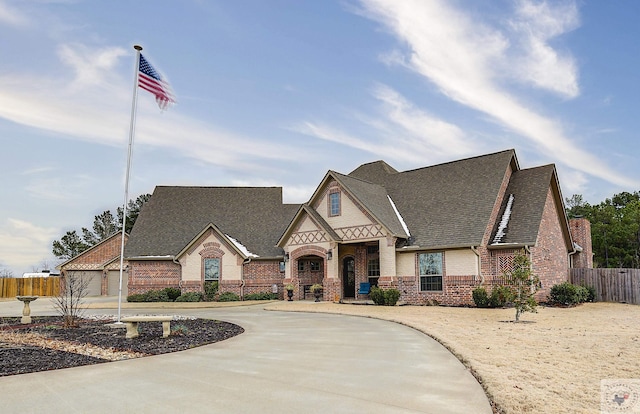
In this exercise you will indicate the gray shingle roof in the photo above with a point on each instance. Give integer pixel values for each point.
(448, 204)
(255, 216)
(375, 199)
(529, 188)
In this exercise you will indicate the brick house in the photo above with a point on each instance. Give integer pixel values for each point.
(100, 264)
(434, 233)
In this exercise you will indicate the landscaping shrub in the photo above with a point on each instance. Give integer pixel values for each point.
(136, 297)
(172, 293)
(190, 297)
(261, 296)
(156, 296)
(569, 294)
(500, 296)
(377, 295)
(228, 297)
(210, 290)
(480, 297)
(591, 293)
(391, 297)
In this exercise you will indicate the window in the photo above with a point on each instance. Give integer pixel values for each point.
(373, 267)
(315, 266)
(211, 270)
(430, 265)
(334, 204)
(300, 266)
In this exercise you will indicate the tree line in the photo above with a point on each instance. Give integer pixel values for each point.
(615, 228)
(105, 225)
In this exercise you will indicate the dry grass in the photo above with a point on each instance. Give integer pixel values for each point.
(552, 362)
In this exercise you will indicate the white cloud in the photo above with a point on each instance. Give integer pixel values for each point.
(465, 57)
(12, 16)
(403, 132)
(536, 23)
(94, 107)
(24, 244)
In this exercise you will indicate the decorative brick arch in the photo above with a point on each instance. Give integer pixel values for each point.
(308, 250)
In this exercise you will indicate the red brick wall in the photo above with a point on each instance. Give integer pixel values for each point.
(145, 275)
(549, 256)
(259, 277)
(581, 234)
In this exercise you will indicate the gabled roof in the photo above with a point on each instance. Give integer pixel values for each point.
(446, 205)
(315, 217)
(529, 188)
(68, 264)
(373, 198)
(231, 243)
(168, 222)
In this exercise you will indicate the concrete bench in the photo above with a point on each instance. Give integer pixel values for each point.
(132, 324)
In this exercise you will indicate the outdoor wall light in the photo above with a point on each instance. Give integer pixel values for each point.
(286, 257)
(329, 255)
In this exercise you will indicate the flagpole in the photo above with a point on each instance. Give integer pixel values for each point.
(126, 182)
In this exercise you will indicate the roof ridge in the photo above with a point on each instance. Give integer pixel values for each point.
(512, 151)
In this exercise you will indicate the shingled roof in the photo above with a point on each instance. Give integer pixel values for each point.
(446, 205)
(254, 216)
(529, 189)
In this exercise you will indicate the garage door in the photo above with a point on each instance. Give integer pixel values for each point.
(113, 283)
(95, 282)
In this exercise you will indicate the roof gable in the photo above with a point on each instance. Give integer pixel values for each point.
(528, 189)
(97, 256)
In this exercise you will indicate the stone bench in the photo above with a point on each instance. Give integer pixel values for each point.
(132, 324)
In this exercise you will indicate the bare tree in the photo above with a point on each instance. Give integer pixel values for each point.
(69, 302)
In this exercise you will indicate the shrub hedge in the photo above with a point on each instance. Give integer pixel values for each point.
(569, 294)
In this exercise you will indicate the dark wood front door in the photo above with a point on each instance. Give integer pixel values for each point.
(349, 277)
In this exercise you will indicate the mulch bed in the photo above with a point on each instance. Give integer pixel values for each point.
(49, 342)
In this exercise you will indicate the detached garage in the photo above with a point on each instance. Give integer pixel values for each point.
(101, 265)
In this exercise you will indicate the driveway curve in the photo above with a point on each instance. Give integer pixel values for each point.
(285, 362)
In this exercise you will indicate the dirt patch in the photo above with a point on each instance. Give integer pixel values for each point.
(46, 345)
(554, 365)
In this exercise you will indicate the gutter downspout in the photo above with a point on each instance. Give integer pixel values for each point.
(176, 261)
(244, 262)
(475, 250)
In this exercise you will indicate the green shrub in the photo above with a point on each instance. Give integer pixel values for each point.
(210, 290)
(172, 293)
(377, 295)
(261, 296)
(136, 297)
(568, 294)
(228, 297)
(156, 296)
(500, 295)
(391, 297)
(190, 297)
(591, 293)
(480, 297)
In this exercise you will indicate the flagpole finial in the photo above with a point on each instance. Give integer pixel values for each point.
(137, 47)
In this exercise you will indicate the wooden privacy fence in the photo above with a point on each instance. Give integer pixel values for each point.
(612, 285)
(29, 286)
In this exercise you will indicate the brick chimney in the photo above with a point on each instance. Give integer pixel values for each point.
(581, 234)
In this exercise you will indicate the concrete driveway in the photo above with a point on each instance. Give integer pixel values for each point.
(285, 362)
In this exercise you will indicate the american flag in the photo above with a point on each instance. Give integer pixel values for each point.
(150, 80)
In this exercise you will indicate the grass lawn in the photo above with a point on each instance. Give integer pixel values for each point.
(551, 362)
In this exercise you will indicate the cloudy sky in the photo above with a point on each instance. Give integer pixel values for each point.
(275, 93)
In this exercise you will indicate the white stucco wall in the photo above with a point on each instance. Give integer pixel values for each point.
(192, 262)
(460, 262)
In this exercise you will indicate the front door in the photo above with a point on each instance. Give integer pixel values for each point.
(349, 277)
